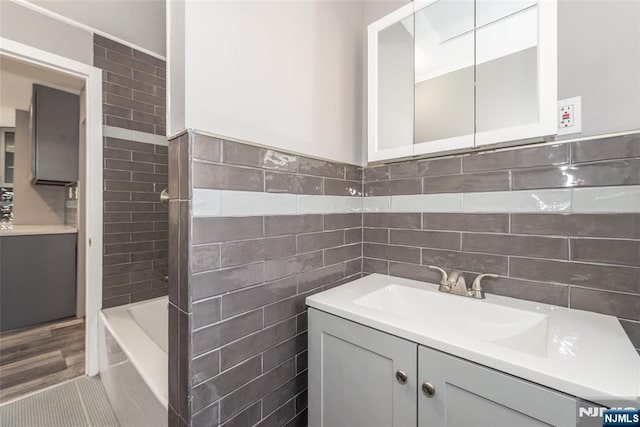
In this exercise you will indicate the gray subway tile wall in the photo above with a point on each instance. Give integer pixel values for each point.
(240, 282)
(134, 87)
(565, 165)
(583, 261)
(618, 147)
(135, 223)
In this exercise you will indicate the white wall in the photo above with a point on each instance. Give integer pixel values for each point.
(282, 74)
(24, 25)
(175, 66)
(7, 117)
(599, 59)
(141, 22)
(32, 204)
(291, 75)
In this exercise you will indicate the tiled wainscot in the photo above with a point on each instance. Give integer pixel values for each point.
(559, 222)
(253, 231)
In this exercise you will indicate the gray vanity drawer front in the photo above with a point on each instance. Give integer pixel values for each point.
(37, 279)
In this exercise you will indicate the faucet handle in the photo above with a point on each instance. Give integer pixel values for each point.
(476, 290)
(445, 275)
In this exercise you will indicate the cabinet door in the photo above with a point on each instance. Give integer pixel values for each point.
(37, 279)
(56, 128)
(390, 86)
(466, 394)
(516, 70)
(352, 375)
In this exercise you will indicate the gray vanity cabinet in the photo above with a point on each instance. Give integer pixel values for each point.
(356, 375)
(459, 393)
(357, 378)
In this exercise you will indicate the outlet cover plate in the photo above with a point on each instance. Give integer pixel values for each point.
(570, 115)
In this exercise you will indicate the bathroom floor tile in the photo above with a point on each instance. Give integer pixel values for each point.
(78, 403)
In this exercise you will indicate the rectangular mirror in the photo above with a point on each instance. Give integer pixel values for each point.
(444, 83)
(395, 85)
(452, 75)
(506, 64)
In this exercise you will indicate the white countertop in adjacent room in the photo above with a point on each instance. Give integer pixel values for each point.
(29, 230)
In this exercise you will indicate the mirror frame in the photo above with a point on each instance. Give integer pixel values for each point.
(547, 93)
(374, 153)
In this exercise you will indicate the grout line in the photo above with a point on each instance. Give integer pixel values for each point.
(612, 291)
(82, 403)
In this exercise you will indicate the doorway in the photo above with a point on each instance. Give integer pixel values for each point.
(62, 346)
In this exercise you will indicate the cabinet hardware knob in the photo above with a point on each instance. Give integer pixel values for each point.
(401, 376)
(428, 389)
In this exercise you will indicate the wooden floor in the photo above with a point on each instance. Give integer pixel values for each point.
(40, 356)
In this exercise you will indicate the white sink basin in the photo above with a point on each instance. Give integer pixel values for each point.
(575, 352)
(474, 319)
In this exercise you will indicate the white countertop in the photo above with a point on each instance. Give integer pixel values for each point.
(588, 355)
(27, 230)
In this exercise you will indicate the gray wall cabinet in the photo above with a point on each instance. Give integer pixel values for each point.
(37, 279)
(352, 382)
(56, 136)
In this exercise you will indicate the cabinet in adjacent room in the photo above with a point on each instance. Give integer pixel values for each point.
(56, 136)
(37, 278)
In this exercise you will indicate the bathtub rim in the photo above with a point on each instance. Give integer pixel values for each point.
(153, 369)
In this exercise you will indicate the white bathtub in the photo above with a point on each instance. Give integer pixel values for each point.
(134, 341)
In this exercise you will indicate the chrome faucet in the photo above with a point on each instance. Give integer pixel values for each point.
(454, 283)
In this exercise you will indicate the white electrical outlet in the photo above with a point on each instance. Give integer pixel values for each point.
(570, 115)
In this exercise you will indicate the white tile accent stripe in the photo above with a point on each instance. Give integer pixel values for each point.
(376, 204)
(606, 199)
(248, 203)
(445, 202)
(518, 201)
(577, 200)
(134, 135)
